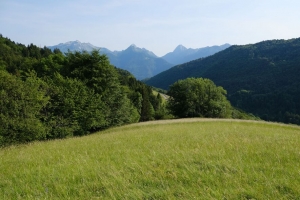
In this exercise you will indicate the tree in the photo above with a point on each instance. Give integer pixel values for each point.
(74, 109)
(160, 110)
(99, 75)
(198, 97)
(21, 103)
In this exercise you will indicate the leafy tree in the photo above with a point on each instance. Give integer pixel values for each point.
(21, 103)
(50, 65)
(198, 97)
(98, 74)
(74, 109)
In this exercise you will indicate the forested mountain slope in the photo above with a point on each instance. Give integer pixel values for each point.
(261, 78)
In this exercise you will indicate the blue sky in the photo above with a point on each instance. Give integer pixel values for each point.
(157, 25)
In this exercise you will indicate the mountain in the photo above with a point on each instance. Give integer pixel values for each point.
(141, 62)
(261, 78)
(138, 61)
(76, 46)
(182, 54)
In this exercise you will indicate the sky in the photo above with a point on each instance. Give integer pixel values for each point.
(157, 25)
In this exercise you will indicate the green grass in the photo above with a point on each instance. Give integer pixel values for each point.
(178, 159)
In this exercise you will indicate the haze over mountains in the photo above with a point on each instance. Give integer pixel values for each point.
(141, 62)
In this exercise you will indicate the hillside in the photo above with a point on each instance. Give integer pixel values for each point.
(261, 78)
(182, 54)
(178, 159)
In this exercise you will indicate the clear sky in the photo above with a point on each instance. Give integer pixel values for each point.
(157, 25)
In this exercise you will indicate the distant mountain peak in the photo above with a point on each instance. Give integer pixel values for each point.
(74, 46)
(181, 54)
(134, 48)
(71, 42)
(180, 48)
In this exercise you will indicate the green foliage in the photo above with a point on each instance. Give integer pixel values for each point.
(93, 69)
(161, 111)
(96, 72)
(198, 98)
(240, 114)
(147, 104)
(21, 103)
(18, 58)
(50, 65)
(268, 71)
(74, 109)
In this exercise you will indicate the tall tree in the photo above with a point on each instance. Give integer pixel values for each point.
(98, 74)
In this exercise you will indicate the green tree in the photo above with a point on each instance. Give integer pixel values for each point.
(21, 103)
(50, 65)
(74, 109)
(161, 111)
(147, 110)
(198, 97)
(98, 74)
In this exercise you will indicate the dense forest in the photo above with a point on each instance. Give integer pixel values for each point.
(262, 79)
(45, 94)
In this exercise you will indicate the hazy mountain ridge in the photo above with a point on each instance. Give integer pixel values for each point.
(76, 46)
(182, 54)
(141, 62)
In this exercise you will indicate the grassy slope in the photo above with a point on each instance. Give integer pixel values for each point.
(206, 159)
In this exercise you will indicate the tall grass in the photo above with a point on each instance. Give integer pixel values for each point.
(183, 160)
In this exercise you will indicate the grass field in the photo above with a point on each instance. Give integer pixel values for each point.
(175, 159)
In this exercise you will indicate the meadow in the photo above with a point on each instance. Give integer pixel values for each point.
(172, 159)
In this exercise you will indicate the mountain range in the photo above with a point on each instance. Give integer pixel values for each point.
(262, 78)
(141, 62)
(182, 54)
